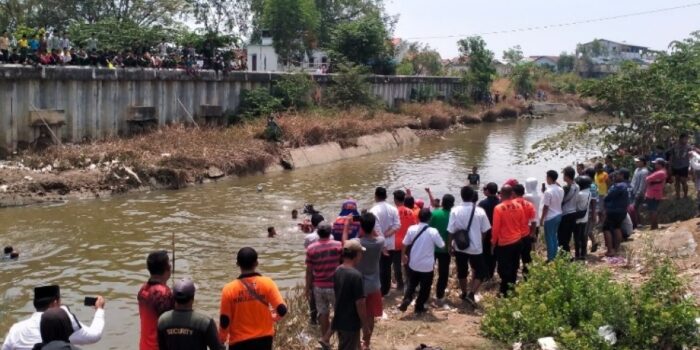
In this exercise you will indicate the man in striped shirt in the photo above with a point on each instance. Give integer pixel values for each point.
(322, 259)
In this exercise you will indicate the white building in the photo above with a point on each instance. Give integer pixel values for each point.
(263, 58)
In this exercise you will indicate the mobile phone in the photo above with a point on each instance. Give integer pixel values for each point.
(543, 187)
(90, 301)
(356, 218)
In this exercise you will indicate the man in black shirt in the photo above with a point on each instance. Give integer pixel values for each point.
(489, 204)
(184, 329)
(474, 178)
(350, 308)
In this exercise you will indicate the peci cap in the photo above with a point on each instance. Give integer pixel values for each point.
(353, 245)
(184, 289)
(47, 293)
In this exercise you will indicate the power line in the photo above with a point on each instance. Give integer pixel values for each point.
(568, 24)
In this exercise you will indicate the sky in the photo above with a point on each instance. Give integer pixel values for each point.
(419, 19)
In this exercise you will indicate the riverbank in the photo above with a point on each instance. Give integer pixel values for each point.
(178, 156)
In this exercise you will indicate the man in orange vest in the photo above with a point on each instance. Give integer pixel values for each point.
(506, 235)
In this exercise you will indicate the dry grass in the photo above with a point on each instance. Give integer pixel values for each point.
(293, 331)
(436, 115)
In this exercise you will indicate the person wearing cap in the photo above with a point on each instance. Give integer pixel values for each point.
(489, 204)
(639, 185)
(509, 220)
(568, 210)
(350, 318)
(616, 203)
(25, 334)
(322, 258)
(654, 193)
(420, 261)
(349, 207)
(184, 329)
(551, 213)
(310, 239)
(154, 298)
(388, 223)
(246, 322)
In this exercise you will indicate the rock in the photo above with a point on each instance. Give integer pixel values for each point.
(165, 155)
(547, 343)
(92, 167)
(677, 241)
(28, 178)
(608, 334)
(3, 188)
(214, 173)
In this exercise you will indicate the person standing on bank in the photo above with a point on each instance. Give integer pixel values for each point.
(568, 208)
(419, 255)
(655, 191)
(155, 298)
(440, 220)
(183, 328)
(616, 203)
(551, 213)
(350, 313)
(246, 322)
(680, 163)
(529, 228)
(388, 223)
(460, 218)
(322, 259)
(55, 329)
(508, 220)
(489, 204)
(25, 334)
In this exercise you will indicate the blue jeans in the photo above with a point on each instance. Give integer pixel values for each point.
(551, 227)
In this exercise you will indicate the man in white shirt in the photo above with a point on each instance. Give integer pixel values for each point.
(387, 224)
(551, 213)
(473, 255)
(423, 240)
(25, 334)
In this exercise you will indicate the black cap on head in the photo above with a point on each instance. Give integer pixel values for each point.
(492, 188)
(44, 296)
(184, 290)
(316, 219)
(246, 258)
(8, 250)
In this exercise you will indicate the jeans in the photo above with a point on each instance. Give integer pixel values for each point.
(508, 263)
(443, 260)
(385, 265)
(566, 231)
(415, 278)
(551, 227)
(580, 240)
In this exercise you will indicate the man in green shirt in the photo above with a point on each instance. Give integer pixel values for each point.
(439, 221)
(184, 329)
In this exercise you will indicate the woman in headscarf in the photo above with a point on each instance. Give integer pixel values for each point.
(55, 328)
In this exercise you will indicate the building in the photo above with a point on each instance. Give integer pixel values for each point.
(602, 57)
(263, 58)
(549, 62)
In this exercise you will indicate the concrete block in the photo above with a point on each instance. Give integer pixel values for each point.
(51, 117)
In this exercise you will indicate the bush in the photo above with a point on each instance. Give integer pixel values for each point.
(469, 119)
(489, 116)
(566, 83)
(508, 113)
(350, 88)
(258, 102)
(570, 303)
(423, 94)
(294, 90)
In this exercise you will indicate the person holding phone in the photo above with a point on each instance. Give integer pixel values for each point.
(25, 334)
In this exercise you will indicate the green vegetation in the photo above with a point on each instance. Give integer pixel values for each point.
(292, 24)
(523, 78)
(362, 42)
(258, 102)
(514, 55)
(350, 88)
(294, 90)
(479, 77)
(566, 63)
(569, 302)
(418, 59)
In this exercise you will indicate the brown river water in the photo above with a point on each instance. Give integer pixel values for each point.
(99, 246)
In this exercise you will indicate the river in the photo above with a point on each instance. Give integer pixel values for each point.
(99, 246)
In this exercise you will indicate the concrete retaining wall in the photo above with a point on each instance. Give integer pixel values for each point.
(332, 151)
(96, 102)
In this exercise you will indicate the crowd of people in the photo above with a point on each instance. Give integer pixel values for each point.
(354, 261)
(55, 48)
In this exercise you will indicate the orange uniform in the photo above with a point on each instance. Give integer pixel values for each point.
(246, 316)
(407, 219)
(530, 214)
(508, 219)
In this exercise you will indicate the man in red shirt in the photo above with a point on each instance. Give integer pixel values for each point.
(155, 298)
(506, 234)
(322, 259)
(529, 229)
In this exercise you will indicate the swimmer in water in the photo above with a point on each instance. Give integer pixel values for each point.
(271, 233)
(10, 253)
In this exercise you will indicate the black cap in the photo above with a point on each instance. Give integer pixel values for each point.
(184, 290)
(247, 257)
(316, 219)
(47, 293)
(492, 187)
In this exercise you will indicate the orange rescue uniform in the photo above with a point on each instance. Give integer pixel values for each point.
(508, 219)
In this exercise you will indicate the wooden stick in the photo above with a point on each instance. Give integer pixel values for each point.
(188, 113)
(173, 269)
(55, 138)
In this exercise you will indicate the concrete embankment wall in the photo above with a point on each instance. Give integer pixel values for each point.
(97, 102)
(370, 144)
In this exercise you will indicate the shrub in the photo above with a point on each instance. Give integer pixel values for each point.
(489, 116)
(436, 122)
(469, 119)
(422, 94)
(258, 102)
(294, 90)
(508, 113)
(350, 88)
(570, 303)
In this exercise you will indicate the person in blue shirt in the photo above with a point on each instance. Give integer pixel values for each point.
(616, 203)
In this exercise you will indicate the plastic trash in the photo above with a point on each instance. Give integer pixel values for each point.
(547, 343)
(608, 334)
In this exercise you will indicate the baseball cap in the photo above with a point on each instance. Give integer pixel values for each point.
(660, 161)
(511, 182)
(184, 289)
(353, 245)
(491, 187)
(349, 207)
(420, 203)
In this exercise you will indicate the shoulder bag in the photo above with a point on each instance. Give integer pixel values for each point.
(410, 246)
(462, 236)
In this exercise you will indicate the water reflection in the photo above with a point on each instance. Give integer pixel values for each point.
(99, 246)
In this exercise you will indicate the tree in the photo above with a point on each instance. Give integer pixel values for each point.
(222, 16)
(362, 42)
(513, 55)
(522, 78)
(566, 63)
(293, 25)
(481, 71)
(114, 35)
(335, 12)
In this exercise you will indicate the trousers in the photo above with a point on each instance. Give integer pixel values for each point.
(551, 227)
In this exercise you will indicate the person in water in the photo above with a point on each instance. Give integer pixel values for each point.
(10, 253)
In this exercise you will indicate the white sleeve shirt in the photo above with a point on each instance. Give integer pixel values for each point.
(25, 334)
(422, 258)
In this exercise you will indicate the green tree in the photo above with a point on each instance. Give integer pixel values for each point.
(566, 63)
(481, 72)
(335, 12)
(351, 88)
(115, 35)
(293, 25)
(220, 16)
(513, 55)
(362, 42)
(523, 79)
